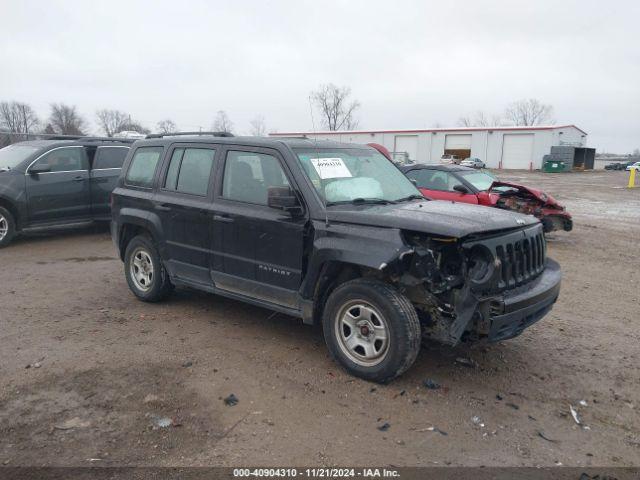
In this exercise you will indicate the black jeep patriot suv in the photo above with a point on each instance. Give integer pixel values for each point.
(332, 233)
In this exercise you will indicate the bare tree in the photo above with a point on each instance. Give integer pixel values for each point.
(336, 109)
(65, 120)
(166, 126)
(529, 112)
(465, 122)
(17, 117)
(480, 119)
(258, 126)
(112, 121)
(222, 122)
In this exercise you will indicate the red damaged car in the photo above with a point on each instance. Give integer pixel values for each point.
(468, 185)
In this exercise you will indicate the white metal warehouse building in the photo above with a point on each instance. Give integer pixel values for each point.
(498, 147)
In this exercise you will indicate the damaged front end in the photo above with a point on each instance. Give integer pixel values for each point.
(529, 201)
(488, 287)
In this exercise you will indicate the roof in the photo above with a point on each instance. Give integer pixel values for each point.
(445, 167)
(434, 130)
(293, 142)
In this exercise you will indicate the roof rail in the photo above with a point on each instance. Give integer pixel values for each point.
(55, 136)
(177, 134)
(108, 139)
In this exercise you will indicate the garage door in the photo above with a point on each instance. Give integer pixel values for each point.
(407, 144)
(517, 151)
(457, 142)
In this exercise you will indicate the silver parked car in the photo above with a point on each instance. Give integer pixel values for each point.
(473, 162)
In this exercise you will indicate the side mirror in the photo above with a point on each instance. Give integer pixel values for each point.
(460, 188)
(283, 198)
(42, 168)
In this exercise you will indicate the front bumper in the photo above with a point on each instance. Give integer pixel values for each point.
(518, 309)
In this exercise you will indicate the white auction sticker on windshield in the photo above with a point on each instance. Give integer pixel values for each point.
(330, 168)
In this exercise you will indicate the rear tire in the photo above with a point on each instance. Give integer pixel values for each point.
(146, 275)
(7, 227)
(371, 329)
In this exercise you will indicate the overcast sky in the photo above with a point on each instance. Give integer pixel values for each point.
(411, 64)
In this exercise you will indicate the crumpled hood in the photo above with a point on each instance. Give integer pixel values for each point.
(435, 217)
(538, 194)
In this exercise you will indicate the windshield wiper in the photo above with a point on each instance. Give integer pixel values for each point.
(363, 201)
(413, 196)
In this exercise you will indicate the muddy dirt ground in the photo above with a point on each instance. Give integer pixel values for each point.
(87, 372)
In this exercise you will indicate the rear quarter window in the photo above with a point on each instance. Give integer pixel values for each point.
(143, 167)
(110, 157)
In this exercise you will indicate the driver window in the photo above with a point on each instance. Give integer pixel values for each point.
(65, 160)
(248, 176)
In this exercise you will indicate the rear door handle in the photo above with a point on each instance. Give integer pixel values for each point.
(78, 179)
(223, 218)
(163, 208)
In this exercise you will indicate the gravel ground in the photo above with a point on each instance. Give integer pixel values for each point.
(88, 373)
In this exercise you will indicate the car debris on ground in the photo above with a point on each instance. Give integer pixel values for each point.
(231, 400)
(384, 427)
(430, 384)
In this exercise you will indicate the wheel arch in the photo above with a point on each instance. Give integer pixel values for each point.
(137, 222)
(13, 210)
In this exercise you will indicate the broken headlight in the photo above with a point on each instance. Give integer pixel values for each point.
(481, 265)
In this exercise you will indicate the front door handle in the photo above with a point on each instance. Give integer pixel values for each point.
(78, 179)
(223, 218)
(163, 208)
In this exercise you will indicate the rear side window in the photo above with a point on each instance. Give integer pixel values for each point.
(110, 157)
(190, 170)
(248, 176)
(143, 166)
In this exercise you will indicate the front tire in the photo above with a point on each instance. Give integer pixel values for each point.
(7, 227)
(371, 329)
(146, 275)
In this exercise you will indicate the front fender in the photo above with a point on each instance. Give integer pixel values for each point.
(13, 195)
(346, 243)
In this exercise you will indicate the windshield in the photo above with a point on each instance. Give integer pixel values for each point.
(342, 175)
(480, 180)
(13, 155)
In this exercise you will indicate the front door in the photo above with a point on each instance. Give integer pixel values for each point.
(62, 193)
(257, 249)
(183, 204)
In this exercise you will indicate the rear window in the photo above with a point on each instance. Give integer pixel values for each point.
(110, 157)
(143, 167)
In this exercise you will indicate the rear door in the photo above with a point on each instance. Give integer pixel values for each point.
(258, 250)
(438, 185)
(107, 164)
(62, 194)
(183, 203)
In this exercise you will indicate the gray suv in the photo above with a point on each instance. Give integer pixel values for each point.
(57, 183)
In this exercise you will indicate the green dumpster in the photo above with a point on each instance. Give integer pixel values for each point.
(553, 166)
